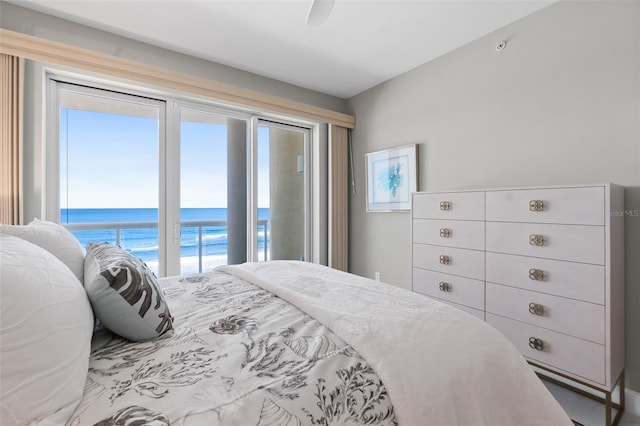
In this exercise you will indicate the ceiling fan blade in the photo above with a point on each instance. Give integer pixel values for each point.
(319, 11)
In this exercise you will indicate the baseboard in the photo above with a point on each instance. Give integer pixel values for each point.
(632, 402)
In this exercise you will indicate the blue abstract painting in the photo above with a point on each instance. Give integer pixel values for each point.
(391, 178)
(390, 185)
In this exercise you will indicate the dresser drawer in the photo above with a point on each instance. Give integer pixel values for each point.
(463, 262)
(451, 288)
(471, 311)
(449, 205)
(575, 243)
(572, 355)
(580, 206)
(581, 281)
(568, 316)
(452, 233)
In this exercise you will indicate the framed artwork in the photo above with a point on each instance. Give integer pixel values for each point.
(392, 176)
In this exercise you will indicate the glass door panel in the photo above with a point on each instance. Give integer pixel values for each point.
(212, 190)
(281, 192)
(109, 169)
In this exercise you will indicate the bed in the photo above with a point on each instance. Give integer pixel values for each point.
(270, 343)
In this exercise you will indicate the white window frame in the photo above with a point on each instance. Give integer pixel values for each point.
(310, 220)
(173, 175)
(51, 153)
(169, 167)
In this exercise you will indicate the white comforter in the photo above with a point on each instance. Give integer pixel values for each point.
(440, 366)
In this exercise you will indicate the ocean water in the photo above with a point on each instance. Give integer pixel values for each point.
(143, 242)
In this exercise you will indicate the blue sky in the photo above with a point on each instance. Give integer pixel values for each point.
(112, 162)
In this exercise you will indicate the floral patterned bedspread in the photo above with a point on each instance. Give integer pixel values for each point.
(238, 355)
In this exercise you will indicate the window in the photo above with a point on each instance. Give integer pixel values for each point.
(182, 185)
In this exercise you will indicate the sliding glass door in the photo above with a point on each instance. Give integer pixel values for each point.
(109, 172)
(183, 186)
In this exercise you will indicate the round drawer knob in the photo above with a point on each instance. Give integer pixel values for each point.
(536, 309)
(445, 260)
(536, 274)
(536, 205)
(445, 205)
(535, 343)
(536, 240)
(445, 232)
(444, 287)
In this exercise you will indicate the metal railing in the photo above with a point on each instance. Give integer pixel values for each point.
(118, 227)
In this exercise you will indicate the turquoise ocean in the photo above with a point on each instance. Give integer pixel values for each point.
(143, 242)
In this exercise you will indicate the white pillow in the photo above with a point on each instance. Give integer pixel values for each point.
(55, 239)
(46, 323)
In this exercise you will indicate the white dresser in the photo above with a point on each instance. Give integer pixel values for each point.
(545, 266)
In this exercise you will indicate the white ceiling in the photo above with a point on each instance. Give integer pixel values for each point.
(363, 43)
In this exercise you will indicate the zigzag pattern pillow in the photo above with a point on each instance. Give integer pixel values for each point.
(124, 293)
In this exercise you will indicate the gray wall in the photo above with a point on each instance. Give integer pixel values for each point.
(560, 105)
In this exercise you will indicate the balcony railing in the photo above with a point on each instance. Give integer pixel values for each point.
(119, 227)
